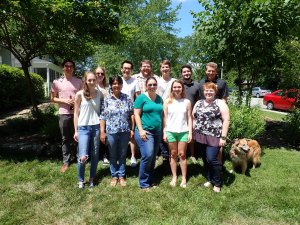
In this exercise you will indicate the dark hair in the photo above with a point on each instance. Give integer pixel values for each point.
(127, 61)
(149, 78)
(115, 78)
(186, 66)
(68, 60)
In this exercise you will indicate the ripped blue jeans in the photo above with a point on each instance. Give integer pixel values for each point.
(88, 146)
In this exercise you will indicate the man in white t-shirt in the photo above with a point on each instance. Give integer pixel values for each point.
(132, 89)
(165, 81)
(163, 89)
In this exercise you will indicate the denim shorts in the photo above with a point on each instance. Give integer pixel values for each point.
(180, 137)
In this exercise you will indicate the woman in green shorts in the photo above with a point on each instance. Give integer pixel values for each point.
(177, 129)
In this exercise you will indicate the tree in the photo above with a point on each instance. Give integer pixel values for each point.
(147, 28)
(244, 33)
(65, 28)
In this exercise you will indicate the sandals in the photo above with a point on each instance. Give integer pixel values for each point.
(122, 182)
(183, 185)
(173, 183)
(114, 182)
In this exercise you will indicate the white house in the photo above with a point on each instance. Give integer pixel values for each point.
(42, 66)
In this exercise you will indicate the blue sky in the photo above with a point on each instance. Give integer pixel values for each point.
(186, 20)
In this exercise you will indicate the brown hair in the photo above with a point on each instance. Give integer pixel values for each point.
(171, 96)
(165, 62)
(146, 61)
(86, 91)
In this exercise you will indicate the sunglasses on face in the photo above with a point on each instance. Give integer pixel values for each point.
(68, 66)
(100, 74)
(152, 85)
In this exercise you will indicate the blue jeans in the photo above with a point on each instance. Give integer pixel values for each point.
(212, 165)
(117, 147)
(164, 149)
(149, 151)
(88, 144)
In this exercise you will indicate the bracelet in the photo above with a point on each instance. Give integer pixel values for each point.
(224, 138)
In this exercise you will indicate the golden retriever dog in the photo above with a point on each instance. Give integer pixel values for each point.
(243, 151)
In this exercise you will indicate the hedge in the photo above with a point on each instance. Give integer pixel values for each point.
(14, 89)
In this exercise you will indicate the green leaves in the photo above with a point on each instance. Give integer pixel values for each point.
(43, 27)
(244, 33)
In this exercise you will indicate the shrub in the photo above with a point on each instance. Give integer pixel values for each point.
(50, 126)
(293, 126)
(245, 122)
(14, 90)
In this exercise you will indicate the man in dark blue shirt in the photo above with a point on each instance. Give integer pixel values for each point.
(192, 94)
(211, 76)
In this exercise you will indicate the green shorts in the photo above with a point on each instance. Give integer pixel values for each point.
(180, 137)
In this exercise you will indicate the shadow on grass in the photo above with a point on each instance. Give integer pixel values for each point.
(275, 136)
(21, 155)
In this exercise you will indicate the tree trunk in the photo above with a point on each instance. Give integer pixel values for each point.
(240, 81)
(35, 110)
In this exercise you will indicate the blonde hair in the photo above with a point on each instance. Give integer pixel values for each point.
(171, 96)
(213, 65)
(104, 81)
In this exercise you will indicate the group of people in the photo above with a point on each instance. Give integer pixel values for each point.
(146, 111)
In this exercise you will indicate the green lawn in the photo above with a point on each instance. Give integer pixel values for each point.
(35, 192)
(273, 115)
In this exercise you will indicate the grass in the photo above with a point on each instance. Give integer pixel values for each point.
(33, 191)
(274, 115)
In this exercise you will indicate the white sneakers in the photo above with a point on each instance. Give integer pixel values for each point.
(207, 184)
(105, 161)
(80, 185)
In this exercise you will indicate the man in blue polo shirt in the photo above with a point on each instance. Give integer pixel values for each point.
(211, 76)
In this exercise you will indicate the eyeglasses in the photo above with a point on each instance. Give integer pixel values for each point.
(100, 74)
(151, 85)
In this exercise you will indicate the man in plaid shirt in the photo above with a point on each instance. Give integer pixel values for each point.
(145, 72)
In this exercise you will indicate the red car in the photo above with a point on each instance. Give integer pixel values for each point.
(282, 99)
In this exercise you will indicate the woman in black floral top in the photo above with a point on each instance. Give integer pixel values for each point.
(211, 123)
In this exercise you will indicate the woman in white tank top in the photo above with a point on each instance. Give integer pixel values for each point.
(87, 126)
(177, 129)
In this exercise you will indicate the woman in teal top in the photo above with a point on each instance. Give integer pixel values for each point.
(148, 108)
